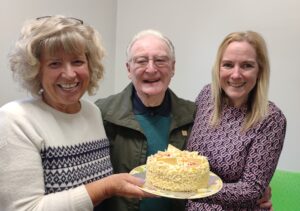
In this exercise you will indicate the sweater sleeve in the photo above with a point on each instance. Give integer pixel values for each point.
(21, 172)
(261, 162)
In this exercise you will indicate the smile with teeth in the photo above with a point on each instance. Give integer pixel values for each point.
(68, 86)
(236, 85)
(151, 81)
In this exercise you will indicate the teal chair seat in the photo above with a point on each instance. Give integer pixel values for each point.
(286, 190)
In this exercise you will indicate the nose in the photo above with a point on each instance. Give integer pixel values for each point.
(151, 66)
(236, 72)
(69, 72)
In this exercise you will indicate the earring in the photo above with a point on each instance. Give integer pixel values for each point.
(41, 91)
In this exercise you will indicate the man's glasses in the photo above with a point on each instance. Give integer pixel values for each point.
(69, 18)
(158, 61)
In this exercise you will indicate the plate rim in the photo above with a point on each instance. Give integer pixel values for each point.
(196, 195)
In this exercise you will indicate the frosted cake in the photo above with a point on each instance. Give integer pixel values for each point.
(177, 170)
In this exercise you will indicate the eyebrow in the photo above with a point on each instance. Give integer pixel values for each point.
(228, 60)
(155, 56)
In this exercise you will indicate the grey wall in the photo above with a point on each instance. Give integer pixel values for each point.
(99, 13)
(195, 26)
(198, 26)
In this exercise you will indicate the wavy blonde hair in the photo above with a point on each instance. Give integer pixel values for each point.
(55, 33)
(257, 104)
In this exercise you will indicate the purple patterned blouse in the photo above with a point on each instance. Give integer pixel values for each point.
(244, 161)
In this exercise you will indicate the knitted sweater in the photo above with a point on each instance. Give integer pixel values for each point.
(244, 161)
(47, 155)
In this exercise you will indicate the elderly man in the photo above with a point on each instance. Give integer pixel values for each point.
(146, 116)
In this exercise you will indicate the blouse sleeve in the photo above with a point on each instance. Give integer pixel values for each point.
(204, 96)
(261, 162)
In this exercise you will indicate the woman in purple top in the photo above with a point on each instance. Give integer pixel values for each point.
(236, 127)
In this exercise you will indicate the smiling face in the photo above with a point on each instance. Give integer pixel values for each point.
(238, 72)
(150, 69)
(65, 79)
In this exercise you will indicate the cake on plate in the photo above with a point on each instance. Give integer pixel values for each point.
(177, 170)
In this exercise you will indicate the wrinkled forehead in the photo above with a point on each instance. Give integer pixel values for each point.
(149, 46)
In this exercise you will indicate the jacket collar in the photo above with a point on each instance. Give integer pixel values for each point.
(163, 109)
(119, 110)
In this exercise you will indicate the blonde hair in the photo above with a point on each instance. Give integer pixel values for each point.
(257, 104)
(54, 33)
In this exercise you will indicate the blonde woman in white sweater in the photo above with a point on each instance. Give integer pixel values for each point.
(53, 148)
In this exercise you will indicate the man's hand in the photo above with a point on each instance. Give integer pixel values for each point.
(265, 202)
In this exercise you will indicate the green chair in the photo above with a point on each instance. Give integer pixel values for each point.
(286, 190)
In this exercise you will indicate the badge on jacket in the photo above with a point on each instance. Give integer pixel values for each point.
(184, 133)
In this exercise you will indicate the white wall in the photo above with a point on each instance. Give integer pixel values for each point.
(99, 13)
(195, 26)
(198, 26)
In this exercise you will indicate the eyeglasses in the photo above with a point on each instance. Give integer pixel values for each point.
(70, 18)
(158, 61)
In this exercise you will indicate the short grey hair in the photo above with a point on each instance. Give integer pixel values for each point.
(151, 32)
